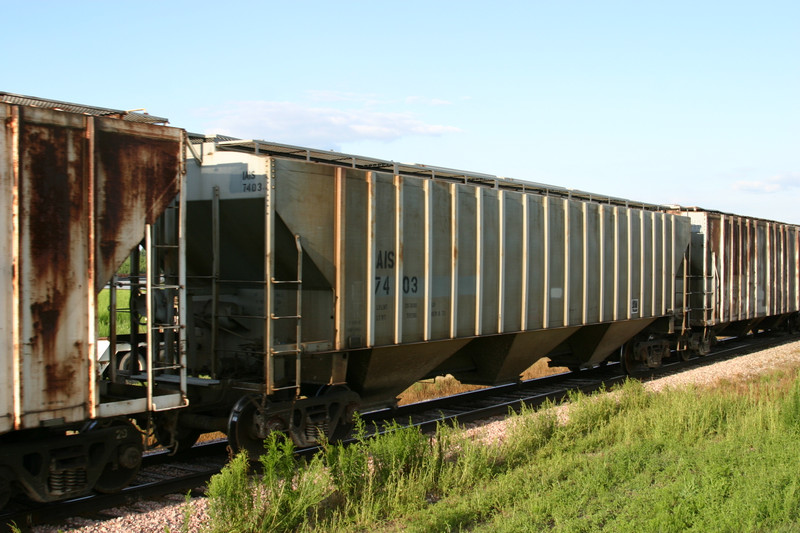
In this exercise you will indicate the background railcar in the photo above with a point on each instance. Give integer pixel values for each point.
(744, 275)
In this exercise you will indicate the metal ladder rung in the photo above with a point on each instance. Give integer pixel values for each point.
(166, 326)
(290, 387)
(172, 367)
(285, 352)
(165, 287)
(287, 317)
(286, 282)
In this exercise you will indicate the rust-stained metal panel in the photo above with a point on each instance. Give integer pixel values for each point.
(137, 170)
(53, 264)
(76, 192)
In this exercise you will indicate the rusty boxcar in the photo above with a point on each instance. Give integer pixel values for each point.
(744, 275)
(77, 192)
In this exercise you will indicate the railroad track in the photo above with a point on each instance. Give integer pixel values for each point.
(497, 401)
(494, 401)
(162, 474)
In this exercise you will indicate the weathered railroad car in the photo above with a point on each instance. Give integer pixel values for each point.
(326, 282)
(77, 191)
(744, 275)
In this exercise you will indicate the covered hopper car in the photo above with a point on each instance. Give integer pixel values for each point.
(328, 283)
(255, 287)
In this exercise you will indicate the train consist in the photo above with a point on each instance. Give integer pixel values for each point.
(255, 287)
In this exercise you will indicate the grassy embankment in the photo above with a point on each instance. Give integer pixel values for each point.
(722, 459)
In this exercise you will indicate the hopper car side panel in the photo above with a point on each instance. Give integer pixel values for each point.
(389, 262)
(138, 169)
(56, 288)
(425, 262)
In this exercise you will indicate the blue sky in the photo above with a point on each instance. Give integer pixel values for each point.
(696, 103)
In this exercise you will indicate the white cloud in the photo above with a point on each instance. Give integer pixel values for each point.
(319, 126)
(372, 99)
(771, 185)
(364, 99)
(427, 101)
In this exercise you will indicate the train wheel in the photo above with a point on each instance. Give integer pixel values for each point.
(703, 348)
(244, 432)
(182, 440)
(124, 363)
(119, 472)
(685, 355)
(185, 439)
(629, 362)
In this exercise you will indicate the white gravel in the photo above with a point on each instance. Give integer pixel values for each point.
(169, 513)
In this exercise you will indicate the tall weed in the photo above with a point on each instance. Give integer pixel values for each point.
(790, 408)
(287, 494)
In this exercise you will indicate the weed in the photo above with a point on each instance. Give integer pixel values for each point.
(282, 498)
(187, 512)
(790, 410)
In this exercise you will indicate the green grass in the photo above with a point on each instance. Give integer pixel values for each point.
(104, 314)
(123, 319)
(691, 460)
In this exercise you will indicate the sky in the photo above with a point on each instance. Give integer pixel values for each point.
(682, 102)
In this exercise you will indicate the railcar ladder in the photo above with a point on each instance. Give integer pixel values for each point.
(291, 349)
(165, 332)
(709, 295)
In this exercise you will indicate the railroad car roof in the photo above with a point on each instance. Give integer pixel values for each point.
(698, 209)
(410, 169)
(131, 116)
